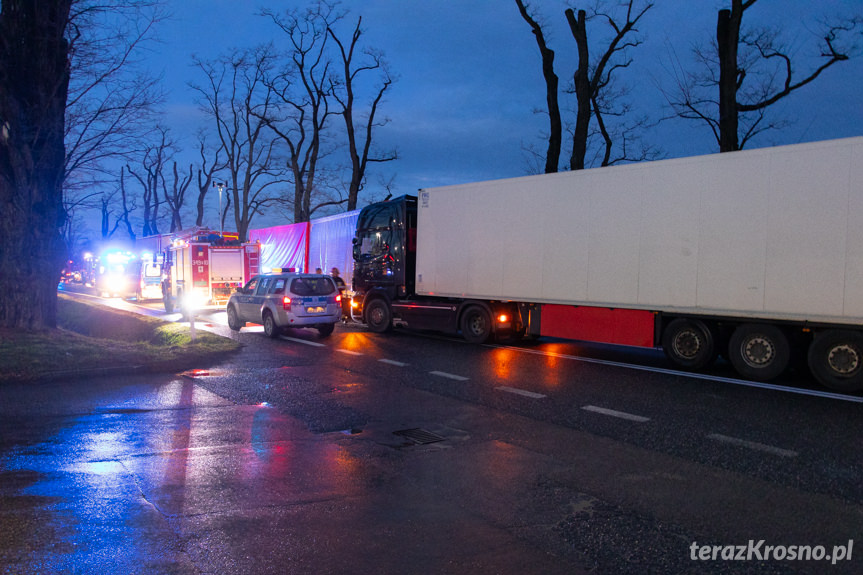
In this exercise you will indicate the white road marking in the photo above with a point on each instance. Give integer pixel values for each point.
(613, 413)
(523, 392)
(349, 352)
(754, 445)
(689, 374)
(393, 362)
(449, 375)
(304, 341)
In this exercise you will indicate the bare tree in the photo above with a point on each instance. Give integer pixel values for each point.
(343, 90)
(241, 103)
(301, 87)
(555, 129)
(108, 230)
(150, 176)
(111, 97)
(747, 71)
(34, 79)
(596, 97)
(174, 193)
(591, 80)
(206, 175)
(127, 206)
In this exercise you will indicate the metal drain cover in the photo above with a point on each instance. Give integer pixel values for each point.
(419, 436)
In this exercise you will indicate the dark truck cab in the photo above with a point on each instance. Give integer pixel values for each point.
(385, 259)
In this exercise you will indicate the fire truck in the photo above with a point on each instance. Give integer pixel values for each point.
(203, 267)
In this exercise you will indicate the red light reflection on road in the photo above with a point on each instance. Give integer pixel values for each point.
(551, 358)
(355, 341)
(503, 359)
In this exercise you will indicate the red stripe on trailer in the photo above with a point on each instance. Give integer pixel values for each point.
(619, 326)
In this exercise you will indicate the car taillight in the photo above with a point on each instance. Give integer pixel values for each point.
(286, 303)
(339, 298)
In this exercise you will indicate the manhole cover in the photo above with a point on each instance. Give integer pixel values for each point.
(419, 436)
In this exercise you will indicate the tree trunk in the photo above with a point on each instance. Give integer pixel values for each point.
(555, 126)
(582, 90)
(34, 81)
(727, 39)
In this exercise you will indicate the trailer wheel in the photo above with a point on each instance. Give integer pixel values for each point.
(270, 327)
(836, 360)
(759, 351)
(234, 320)
(378, 316)
(476, 325)
(689, 343)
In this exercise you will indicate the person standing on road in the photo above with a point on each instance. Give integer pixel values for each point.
(340, 284)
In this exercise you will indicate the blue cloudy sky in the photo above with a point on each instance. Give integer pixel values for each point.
(469, 76)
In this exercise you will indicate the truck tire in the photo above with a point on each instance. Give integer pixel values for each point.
(270, 328)
(836, 360)
(378, 316)
(759, 351)
(689, 344)
(234, 320)
(326, 329)
(476, 325)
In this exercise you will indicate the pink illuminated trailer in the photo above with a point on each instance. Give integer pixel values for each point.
(283, 247)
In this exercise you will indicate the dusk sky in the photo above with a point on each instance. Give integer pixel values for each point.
(469, 76)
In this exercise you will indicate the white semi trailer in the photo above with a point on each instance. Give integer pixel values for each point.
(756, 255)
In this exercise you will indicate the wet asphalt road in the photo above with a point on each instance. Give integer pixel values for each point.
(308, 455)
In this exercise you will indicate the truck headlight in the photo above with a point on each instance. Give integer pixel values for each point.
(116, 284)
(193, 300)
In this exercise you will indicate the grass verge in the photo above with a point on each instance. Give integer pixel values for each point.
(91, 339)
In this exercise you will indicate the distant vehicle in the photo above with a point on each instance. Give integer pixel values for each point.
(117, 274)
(286, 300)
(150, 284)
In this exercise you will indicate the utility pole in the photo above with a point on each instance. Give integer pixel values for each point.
(220, 186)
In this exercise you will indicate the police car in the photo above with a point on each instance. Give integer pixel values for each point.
(286, 300)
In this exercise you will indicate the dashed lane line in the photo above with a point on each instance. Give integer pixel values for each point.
(522, 392)
(614, 413)
(449, 375)
(394, 362)
(349, 352)
(304, 341)
(753, 445)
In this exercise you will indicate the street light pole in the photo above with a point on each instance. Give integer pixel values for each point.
(220, 186)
